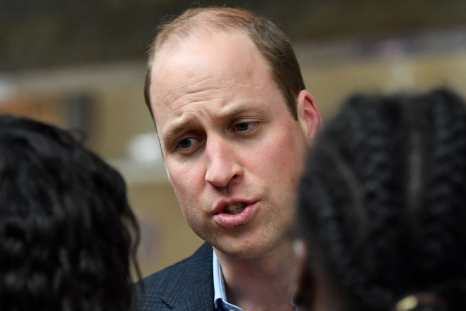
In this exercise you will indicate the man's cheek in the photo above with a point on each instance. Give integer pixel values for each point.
(185, 182)
(283, 157)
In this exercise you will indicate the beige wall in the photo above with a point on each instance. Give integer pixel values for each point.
(166, 238)
(330, 83)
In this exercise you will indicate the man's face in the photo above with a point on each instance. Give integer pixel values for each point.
(231, 147)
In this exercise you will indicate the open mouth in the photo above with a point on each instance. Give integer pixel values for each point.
(234, 209)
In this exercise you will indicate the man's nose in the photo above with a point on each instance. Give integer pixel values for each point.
(222, 166)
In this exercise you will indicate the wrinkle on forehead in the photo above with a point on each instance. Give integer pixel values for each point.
(191, 89)
(204, 90)
(195, 104)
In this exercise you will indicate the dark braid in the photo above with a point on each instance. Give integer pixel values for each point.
(443, 251)
(381, 200)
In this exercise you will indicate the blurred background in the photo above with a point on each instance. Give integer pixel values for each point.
(81, 65)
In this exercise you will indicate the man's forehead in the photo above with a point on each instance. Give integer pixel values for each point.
(199, 46)
(222, 102)
(206, 64)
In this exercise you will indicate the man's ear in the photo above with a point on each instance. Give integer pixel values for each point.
(304, 294)
(308, 116)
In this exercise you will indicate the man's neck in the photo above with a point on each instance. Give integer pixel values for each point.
(262, 283)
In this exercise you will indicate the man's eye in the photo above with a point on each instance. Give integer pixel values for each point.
(186, 143)
(242, 127)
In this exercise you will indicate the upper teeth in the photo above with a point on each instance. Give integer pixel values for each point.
(236, 208)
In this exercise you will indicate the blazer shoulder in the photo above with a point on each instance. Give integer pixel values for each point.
(197, 264)
(188, 281)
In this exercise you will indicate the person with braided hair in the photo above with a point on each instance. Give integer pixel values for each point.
(381, 210)
(67, 233)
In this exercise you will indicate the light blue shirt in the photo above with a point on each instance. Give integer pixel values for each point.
(220, 296)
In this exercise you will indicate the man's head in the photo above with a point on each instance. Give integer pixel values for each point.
(232, 149)
(270, 42)
(67, 234)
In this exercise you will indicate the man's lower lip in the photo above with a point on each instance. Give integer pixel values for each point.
(228, 221)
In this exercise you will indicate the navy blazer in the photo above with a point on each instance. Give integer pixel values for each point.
(187, 285)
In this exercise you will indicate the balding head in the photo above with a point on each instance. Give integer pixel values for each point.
(271, 43)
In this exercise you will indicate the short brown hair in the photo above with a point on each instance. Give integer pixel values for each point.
(271, 42)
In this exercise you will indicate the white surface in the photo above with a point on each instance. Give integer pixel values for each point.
(140, 172)
(145, 148)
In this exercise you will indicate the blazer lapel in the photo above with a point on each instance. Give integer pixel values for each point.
(192, 287)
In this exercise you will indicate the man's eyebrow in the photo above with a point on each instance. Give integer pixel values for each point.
(174, 131)
(234, 112)
(242, 109)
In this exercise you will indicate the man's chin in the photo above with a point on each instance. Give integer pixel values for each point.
(240, 250)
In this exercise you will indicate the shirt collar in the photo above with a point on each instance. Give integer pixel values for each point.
(220, 296)
(219, 283)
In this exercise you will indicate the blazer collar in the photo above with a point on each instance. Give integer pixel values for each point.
(192, 288)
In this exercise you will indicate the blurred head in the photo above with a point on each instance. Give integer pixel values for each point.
(382, 207)
(271, 44)
(67, 234)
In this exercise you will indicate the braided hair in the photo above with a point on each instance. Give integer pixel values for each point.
(383, 200)
(67, 233)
